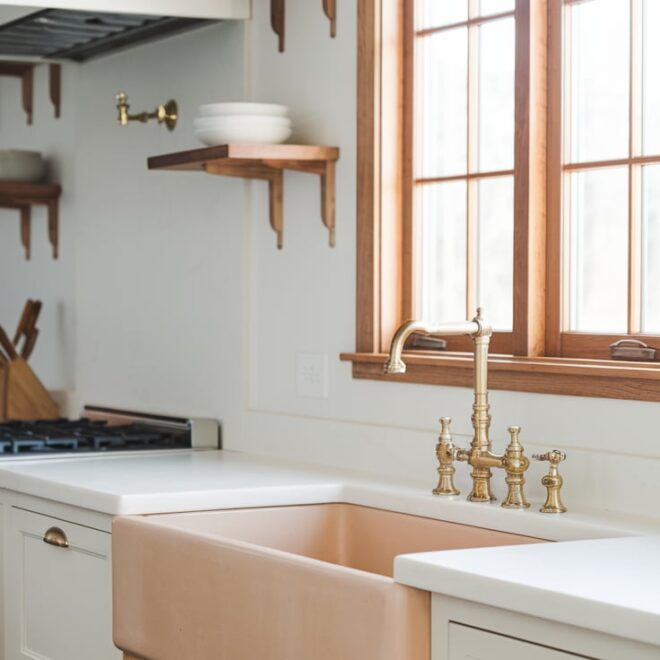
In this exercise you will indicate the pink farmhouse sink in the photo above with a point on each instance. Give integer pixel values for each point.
(284, 583)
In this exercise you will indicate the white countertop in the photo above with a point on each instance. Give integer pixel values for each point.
(609, 585)
(168, 482)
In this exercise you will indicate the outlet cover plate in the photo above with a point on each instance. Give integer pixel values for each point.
(312, 375)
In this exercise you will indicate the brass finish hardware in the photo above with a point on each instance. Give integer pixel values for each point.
(515, 464)
(480, 455)
(552, 481)
(164, 114)
(632, 349)
(445, 452)
(55, 536)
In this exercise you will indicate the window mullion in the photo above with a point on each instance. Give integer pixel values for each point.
(472, 160)
(634, 172)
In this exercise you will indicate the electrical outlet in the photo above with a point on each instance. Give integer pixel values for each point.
(312, 375)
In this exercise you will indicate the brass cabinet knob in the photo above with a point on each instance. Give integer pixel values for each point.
(552, 481)
(55, 536)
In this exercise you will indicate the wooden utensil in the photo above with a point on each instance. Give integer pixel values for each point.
(22, 324)
(31, 324)
(28, 347)
(6, 345)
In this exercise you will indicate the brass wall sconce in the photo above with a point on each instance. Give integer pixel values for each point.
(164, 114)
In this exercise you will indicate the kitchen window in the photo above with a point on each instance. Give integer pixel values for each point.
(508, 157)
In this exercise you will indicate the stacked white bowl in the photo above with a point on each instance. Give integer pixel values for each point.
(242, 123)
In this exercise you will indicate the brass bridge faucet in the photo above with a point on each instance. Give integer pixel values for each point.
(164, 114)
(479, 455)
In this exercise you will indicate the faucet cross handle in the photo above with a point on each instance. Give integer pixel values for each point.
(552, 481)
(445, 453)
(515, 463)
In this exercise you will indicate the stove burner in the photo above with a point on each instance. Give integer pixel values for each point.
(85, 435)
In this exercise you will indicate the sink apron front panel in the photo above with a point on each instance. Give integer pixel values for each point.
(287, 583)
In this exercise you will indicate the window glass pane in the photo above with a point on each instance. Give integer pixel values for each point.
(436, 13)
(598, 74)
(651, 78)
(441, 122)
(443, 247)
(489, 7)
(495, 250)
(651, 249)
(598, 238)
(497, 42)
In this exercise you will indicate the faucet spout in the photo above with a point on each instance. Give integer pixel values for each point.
(480, 456)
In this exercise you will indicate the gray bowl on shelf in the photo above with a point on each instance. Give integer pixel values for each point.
(20, 165)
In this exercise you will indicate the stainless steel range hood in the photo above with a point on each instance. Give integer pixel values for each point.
(80, 30)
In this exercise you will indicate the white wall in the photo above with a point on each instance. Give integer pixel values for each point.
(42, 277)
(183, 303)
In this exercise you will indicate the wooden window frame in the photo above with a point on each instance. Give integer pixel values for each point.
(566, 343)
(384, 221)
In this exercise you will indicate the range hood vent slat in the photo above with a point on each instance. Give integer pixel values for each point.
(81, 35)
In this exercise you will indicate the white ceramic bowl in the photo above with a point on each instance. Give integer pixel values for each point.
(243, 135)
(247, 121)
(222, 109)
(19, 165)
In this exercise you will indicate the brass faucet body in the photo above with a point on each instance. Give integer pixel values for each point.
(164, 114)
(480, 455)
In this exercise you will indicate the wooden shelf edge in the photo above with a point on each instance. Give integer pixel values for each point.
(196, 158)
(21, 189)
(591, 378)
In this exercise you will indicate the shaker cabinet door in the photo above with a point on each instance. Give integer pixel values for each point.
(58, 590)
(467, 643)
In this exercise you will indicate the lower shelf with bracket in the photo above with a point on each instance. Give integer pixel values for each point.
(22, 197)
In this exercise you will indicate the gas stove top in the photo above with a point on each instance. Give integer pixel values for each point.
(103, 430)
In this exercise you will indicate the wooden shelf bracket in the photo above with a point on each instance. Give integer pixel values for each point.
(278, 19)
(55, 87)
(330, 9)
(22, 197)
(265, 163)
(24, 71)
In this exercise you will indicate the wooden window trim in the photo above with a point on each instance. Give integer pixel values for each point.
(385, 290)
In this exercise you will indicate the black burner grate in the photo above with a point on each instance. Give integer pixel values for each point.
(85, 435)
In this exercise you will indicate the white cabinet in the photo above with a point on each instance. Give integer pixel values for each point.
(58, 595)
(466, 630)
(472, 644)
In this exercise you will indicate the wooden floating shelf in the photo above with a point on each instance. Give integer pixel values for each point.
(22, 197)
(265, 162)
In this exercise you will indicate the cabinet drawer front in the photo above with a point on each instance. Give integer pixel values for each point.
(58, 594)
(467, 643)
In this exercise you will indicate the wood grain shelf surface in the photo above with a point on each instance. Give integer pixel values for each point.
(197, 159)
(22, 197)
(265, 162)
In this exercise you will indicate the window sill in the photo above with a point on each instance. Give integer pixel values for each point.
(594, 378)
